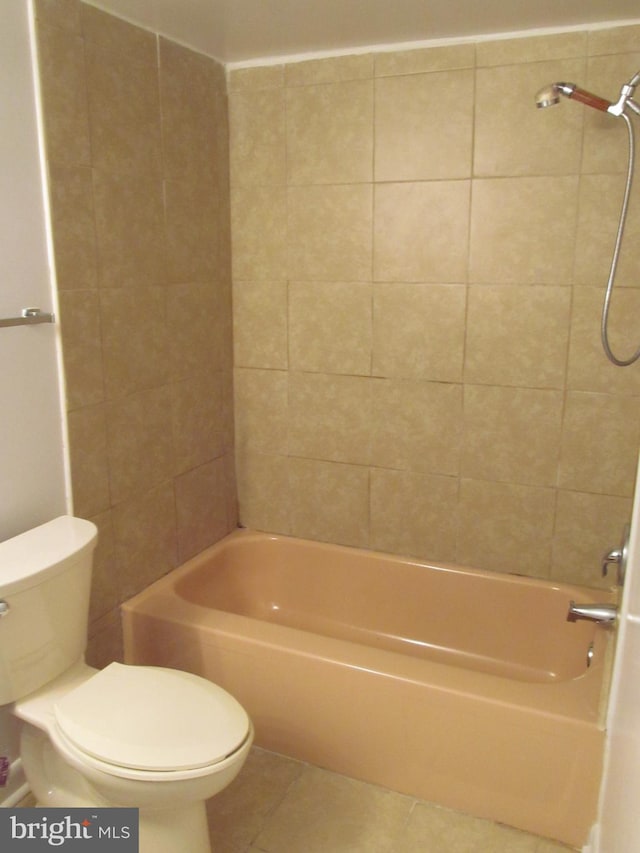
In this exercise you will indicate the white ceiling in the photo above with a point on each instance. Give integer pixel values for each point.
(238, 31)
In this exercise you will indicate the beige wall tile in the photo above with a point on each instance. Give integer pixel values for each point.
(81, 347)
(418, 331)
(417, 61)
(320, 239)
(188, 107)
(418, 136)
(59, 13)
(226, 416)
(261, 410)
(330, 417)
(587, 526)
(198, 420)
(260, 330)
(145, 538)
(417, 426)
(330, 133)
(127, 205)
(105, 593)
(124, 110)
(511, 434)
(600, 201)
(140, 445)
(263, 490)
(258, 137)
(126, 341)
(89, 460)
(330, 232)
(135, 353)
(330, 327)
(329, 501)
(600, 443)
(64, 93)
(259, 232)
(231, 490)
(513, 223)
(105, 640)
(74, 226)
(116, 39)
(192, 231)
(512, 137)
(589, 369)
(195, 324)
(262, 77)
(201, 510)
(414, 514)
(506, 527)
(517, 335)
(333, 69)
(421, 231)
(614, 39)
(531, 48)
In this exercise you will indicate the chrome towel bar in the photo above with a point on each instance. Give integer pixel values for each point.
(29, 317)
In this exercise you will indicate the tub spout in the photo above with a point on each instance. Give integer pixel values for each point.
(594, 612)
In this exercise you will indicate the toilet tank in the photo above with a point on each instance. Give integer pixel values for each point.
(45, 581)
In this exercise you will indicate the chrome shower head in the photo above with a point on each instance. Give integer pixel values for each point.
(548, 96)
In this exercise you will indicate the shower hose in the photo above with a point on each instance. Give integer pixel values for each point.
(619, 362)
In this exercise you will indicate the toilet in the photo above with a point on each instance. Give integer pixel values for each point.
(151, 738)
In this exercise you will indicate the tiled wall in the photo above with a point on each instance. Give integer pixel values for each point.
(137, 148)
(419, 260)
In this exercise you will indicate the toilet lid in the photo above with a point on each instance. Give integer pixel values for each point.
(151, 718)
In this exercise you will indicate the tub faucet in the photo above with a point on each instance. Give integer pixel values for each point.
(606, 613)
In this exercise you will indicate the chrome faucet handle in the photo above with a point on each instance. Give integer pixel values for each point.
(613, 556)
(619, 557)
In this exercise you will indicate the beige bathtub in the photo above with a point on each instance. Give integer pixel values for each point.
(466, 688)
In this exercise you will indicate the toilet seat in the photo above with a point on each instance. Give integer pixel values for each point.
(141, 722)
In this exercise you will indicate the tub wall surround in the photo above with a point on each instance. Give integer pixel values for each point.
(478, 699)
(137, 151)
(419, 261)
(418, 264)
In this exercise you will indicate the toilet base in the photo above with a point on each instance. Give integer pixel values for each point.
(175, 830)
(165, 830)
(179, 829)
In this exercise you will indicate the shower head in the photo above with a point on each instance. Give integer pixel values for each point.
(550, 95)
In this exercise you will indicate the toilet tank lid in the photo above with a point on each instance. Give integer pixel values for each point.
(152, 718)
(26, 559)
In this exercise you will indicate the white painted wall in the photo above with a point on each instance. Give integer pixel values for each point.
(33, 481)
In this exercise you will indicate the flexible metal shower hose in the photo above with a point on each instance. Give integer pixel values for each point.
(619, 362)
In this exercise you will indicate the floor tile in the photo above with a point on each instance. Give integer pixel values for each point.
(238, 813)
(279, 805)
(432, 829)
(325, 812)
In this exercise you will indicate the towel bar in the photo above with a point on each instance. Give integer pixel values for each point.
(29, 317)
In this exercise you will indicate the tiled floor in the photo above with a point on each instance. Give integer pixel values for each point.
(278, 805)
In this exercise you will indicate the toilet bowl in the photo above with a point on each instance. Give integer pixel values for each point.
(156, 739)
(159, 740)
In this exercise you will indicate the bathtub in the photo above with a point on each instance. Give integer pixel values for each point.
(465, 688)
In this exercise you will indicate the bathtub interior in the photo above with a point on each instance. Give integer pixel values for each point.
(505, 625)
